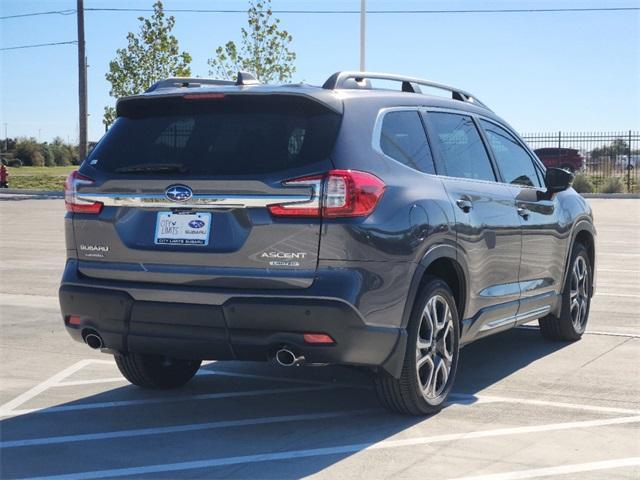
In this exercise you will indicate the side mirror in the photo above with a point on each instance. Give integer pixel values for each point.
(558, 180)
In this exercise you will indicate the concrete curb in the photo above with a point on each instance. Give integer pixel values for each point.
(40, 193)
(611, 195)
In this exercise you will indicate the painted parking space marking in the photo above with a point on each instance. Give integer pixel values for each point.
(559, 470)
(160, 400)
(73, 383)
(541, 403)
(337, 450)
(621, 295)
(42, 387)
(140, 432)
(588, 332)
(10, 409)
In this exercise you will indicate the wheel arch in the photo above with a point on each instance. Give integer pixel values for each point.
(585, 233)
(441, 261)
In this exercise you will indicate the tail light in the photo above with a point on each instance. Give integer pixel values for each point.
(339, 193)
(71, 200)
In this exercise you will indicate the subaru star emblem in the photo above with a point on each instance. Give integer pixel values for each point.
(178, 193)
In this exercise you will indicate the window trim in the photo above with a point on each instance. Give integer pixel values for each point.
(438, 160)
(376, 139)
(534, 159)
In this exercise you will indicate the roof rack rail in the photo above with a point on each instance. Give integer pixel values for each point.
(349, 80)
(244, 78)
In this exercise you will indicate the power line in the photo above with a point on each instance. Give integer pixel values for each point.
(502, 10)
(35, 45)
(36, 14)
(332, 12)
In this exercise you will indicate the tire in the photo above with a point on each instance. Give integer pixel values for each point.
(576, 300)
(156, 371)
(408, 394)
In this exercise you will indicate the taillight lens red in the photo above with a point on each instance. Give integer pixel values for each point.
(349, 193)
(306, 209)
(339, 193)
(321, 338)
(71, 200)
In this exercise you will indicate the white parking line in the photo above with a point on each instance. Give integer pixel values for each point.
(140, 432)
(542, 403)
(559, 470)
(271, 377)
(616, 270)
(621, 295)
(157, 400)
(41, 387)
(342, 449)
(73, 383)
(588, 332)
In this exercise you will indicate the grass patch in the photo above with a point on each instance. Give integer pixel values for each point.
(39, 178)
(37, 182)
(45, 171)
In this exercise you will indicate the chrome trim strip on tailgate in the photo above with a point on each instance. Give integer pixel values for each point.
(202, 201)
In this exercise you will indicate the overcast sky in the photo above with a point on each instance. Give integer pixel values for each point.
(576, 71)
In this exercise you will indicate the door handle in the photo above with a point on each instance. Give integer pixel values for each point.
(464, 204)
(523, 212)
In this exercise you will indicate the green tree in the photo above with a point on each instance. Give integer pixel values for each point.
(49, 155)
(63, 153)
(264, 48)
(151, 55)
(29, 152)
(617, 147)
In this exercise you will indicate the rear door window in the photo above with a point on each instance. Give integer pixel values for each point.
(460, 146)
(229, 136)
(514, 162)
(402, 137)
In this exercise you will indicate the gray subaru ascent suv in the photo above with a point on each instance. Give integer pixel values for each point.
(343, 224)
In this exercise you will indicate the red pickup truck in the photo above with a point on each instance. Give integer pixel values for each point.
(567, 158)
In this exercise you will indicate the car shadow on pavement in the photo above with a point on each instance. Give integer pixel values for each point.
(229, 415)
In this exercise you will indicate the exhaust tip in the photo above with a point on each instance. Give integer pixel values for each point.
(287, 358)
(93, 340)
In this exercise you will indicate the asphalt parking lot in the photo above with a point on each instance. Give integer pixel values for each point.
(523, 407)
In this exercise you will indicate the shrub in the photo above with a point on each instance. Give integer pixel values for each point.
(582, 184)
(613, 185)
(49, 157)
(29, 151)
(13, 162)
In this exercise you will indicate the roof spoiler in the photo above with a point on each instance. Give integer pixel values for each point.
(361, 80)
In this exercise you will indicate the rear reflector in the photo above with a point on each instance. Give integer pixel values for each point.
(318, 338)
(71, 200)
(339, 193)
(73, 320)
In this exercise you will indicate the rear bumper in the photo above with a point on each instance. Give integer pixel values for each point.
(242, 327)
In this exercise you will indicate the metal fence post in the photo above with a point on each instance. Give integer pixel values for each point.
(559, 148)
(629, 165)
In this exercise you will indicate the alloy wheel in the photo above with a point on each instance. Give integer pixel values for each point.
(435, 347)
(579, 294)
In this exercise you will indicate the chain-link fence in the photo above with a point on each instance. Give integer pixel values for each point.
(604, 162)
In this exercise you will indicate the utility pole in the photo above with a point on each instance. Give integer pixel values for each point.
(82, 84)
(363, 25)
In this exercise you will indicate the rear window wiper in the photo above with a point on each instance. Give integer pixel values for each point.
(153, 168)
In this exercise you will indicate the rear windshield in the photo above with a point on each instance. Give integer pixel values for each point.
(226, 136)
